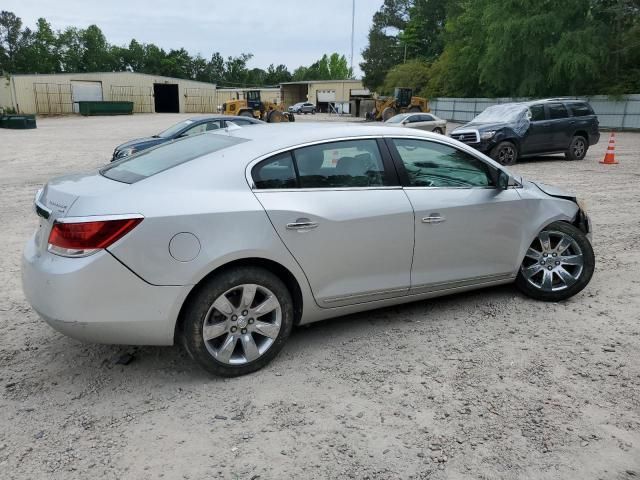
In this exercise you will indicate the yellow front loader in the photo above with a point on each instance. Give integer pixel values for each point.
(402, 101)
(253, 106)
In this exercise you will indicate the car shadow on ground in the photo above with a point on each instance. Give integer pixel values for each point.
(172, 364)
(543, 158)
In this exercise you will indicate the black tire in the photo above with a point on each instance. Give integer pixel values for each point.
(505, 153)
(437, 130)
(577, 148)
(246, 113)
(388, 112)
(415, 109)
(196, 312)
(292, 118)
(588, 265)
(313, 112)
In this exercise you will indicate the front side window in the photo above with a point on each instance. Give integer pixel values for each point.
(352, 163)
(431, 164)
(537, 112)
(557, 110)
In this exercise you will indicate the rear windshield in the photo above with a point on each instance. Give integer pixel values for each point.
(149, 162)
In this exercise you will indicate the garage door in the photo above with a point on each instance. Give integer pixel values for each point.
(326, 95)
(85, 92)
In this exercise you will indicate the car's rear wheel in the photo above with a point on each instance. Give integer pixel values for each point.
(505, 153)
(577, 149)
(238, 321)
(558, 264)
(437, 130)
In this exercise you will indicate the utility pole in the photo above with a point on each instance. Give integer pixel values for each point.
(353, 22)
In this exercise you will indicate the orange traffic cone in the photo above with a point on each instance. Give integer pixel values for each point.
(610, 156)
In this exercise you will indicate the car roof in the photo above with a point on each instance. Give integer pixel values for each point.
(271, 137)
(528, 103)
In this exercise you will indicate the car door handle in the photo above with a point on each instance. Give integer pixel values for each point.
(434, 218)
(302, 224)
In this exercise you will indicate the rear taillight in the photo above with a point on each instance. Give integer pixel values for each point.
(80, 239)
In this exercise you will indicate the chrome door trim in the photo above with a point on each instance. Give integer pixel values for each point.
(437, 287)
(377, 293)
(420, 289)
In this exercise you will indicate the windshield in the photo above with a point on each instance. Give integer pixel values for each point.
(171, 131)
(397, 119)
(507, 113)
(155, 160)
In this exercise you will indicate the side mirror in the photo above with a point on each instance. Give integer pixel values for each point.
(503, 180)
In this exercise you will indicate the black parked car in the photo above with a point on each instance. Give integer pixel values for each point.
(179, 130)
(509, 131)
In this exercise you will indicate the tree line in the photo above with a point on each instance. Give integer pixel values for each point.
(73, 50)
(505, 48)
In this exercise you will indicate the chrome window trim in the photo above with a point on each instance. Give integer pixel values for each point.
(290, 148)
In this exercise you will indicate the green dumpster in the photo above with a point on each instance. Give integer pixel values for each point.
(105, 108)
(18, 121)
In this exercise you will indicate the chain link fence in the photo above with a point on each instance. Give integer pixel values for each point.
(615, 114)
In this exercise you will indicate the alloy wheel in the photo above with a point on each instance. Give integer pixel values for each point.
(578, 148)
(242, 324)
(507, 155)
(553, 262)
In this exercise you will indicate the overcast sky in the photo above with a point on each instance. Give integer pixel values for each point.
(293, 32)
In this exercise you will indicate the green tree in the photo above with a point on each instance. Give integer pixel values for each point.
(384, 49)
(10, 33)
(413, 74)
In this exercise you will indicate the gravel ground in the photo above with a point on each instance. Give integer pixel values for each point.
(483, 385)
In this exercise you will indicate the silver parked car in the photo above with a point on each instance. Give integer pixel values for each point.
(226, 240)
(421, 121)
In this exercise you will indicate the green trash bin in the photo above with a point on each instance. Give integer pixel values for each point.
(105, 108)
(18, 122)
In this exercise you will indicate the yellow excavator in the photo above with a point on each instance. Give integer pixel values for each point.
(252, 106)
(402, 101)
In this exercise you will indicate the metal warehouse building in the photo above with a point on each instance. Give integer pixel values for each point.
(59, 93)
(327, 95)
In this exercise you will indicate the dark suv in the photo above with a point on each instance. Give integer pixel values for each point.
(509, 131)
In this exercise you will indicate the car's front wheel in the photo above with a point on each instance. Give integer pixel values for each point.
(558, 264)
(238, 321)
(577, 149)
(505, 153)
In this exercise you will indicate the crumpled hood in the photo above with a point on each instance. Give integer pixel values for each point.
(482, 126)
(554, 191)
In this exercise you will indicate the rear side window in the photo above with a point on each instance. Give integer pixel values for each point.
(580, 109)
(431, 164)
(557, 110)
(150, 162)
(350, 163)
(277, 172)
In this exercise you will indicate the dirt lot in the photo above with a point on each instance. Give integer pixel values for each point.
(484, 385)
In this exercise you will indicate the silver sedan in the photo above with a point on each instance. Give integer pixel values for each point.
(224, 241)
(421, 121)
